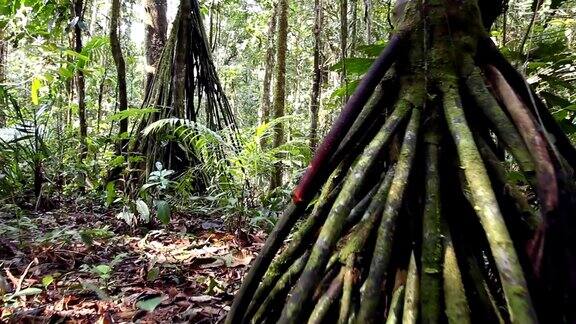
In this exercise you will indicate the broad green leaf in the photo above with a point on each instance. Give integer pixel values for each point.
(560, 114)
(153, 274)
(354, 65)
(28, 292)
(75, 54)
(150, 304)
(47, 280)
(570, 107)
(163, 211)
(345, 90)
(103, 269)
(143, 210)
(372, 50)
(148, 185)
(110, 193)
(36, 83)
(127, 217)
(118, 160)
(66, 72)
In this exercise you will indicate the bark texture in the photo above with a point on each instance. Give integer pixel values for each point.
(78, 14)
(155, 35)
(317, 70)
(279, 102)
(120, 73)
(3, 55)
(268, 68)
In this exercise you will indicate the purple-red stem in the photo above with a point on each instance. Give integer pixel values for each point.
(317, 171)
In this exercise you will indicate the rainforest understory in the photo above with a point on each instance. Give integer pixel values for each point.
(406, 214)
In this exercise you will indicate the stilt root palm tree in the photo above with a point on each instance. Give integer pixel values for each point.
(407, 212)
(185, 89)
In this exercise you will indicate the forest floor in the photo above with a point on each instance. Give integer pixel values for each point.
(74, 265)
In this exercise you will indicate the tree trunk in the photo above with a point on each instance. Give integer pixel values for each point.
(280, 86)
(101, 88)
(78, 13)
(343, 40)
(156, 29)
(368, 20)
(185, 88)
(317, 78)
(354, 27)
(3, 54)
(268, 69)
(121, 73)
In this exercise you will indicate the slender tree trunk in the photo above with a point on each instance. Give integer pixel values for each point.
(317, 78)
(343, 39)
(269, 69)
(78, 13)
(211, 25)
(368, 20)
(69, 84)
(280, 86)
(156, 29)
(121, 72)
(3, 54)
(101, 89)
(354, 27)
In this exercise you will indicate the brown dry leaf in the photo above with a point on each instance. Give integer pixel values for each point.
(243, 260)
(105, 318)
(62, 304)
(215, 264)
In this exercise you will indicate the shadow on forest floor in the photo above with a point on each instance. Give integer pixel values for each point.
(76, 266)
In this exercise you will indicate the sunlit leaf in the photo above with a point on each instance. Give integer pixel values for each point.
(36, 83)
(345, 90)
(110, 192)
(103, 269)
(47, 280)
(127, 217)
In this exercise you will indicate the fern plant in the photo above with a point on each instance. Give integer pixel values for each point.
(235, 166)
